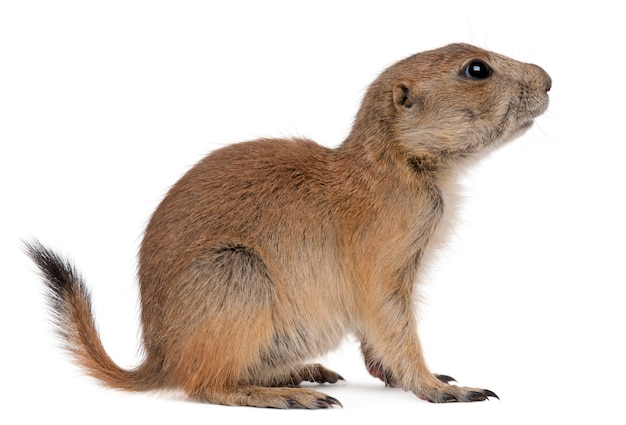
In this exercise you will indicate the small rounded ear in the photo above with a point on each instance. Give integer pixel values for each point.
(403, 96)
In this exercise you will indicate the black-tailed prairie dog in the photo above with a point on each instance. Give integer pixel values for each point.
(267, 253)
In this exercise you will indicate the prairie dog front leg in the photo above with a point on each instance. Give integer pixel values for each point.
(393, 353)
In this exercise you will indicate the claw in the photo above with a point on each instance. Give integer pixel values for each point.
(445, 378)
(482, 395)
(294, 404)
(449, 398)
(328, 402)
(477, 396)
(491, 394)
(320, 403)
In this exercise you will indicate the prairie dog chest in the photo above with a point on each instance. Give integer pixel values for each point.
(396, 227)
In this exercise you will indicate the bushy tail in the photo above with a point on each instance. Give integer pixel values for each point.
(70, 305)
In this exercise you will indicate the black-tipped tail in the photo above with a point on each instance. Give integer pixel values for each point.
(70, 305)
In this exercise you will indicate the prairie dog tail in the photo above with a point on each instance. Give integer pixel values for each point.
(70, 305)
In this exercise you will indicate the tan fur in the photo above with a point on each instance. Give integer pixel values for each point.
(267, 253)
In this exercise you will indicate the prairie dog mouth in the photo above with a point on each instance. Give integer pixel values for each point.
(531, 109)
(521, 113)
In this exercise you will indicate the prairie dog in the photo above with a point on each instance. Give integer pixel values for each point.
(267, 253)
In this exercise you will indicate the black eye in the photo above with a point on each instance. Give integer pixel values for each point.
(478, 70)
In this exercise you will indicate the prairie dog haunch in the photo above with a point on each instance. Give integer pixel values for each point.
(267, 253)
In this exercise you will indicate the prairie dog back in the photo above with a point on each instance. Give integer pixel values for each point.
(267, 253)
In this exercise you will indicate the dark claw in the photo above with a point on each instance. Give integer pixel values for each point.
(449, 398)
(445, 378)
(320, 403)
(327, 402)
(476, 396)
(482, 395)
(293, 404)
(491, 394)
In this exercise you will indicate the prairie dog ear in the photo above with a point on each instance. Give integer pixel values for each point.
(403, 96)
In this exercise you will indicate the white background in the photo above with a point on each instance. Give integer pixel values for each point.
(103, 105)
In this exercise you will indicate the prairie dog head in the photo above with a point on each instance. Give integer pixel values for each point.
(458, 100)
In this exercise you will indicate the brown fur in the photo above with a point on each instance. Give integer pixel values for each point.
(267, 253)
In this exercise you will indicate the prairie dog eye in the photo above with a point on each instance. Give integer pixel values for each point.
(478, 70)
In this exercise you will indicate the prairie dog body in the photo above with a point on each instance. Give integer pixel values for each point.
(267, 253)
